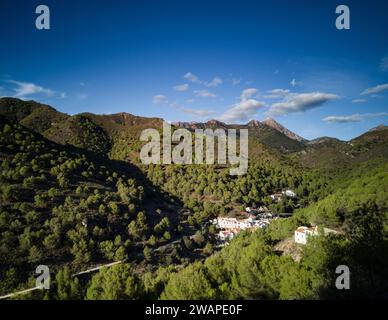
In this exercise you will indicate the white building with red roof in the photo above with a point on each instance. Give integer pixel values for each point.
(302, 233)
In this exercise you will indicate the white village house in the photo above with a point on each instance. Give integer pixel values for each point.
(233, 223)
(262, 223)
(233, 226)
(278, 196)
(227, 235)
(260, 209)
(302, 233)
(289, 193)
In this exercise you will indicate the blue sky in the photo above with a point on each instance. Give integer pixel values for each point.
(199, 60)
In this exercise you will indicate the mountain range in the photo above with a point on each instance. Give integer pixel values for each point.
(118, 135)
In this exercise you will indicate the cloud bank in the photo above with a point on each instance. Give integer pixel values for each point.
(181, 87)
(159, 99)
(204, 94)
(376, 89)
(243, 110)
(354, 117)
(215, 82)
(24, 89)
(384, 64)
(299, 102)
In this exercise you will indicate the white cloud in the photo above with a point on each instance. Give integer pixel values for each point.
(24, 89)
(215, 82)
(158, 99)
(248, 93)
(354, 117)
(189, 101)
(199, 112)
(242, 111)
(358, 100)
(192, 77)
(181, 87)
(296, 102)
(295, 83)
(376, 89)
(384, 64)
(202, 113)
(235, 81)
(63, 95)
(343, 119)
(82, 96)
(277, 93)
(204, 94)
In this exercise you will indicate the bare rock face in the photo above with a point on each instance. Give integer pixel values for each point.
(215, 123)
(379, 128)
(277, 126)
(255, 123)
(188, 125)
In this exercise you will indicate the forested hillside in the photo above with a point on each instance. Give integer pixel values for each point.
(249, 268)
(63, 206)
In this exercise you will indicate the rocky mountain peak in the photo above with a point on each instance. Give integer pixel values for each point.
(277, 126)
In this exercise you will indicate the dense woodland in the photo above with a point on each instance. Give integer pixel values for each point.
(73, 195)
